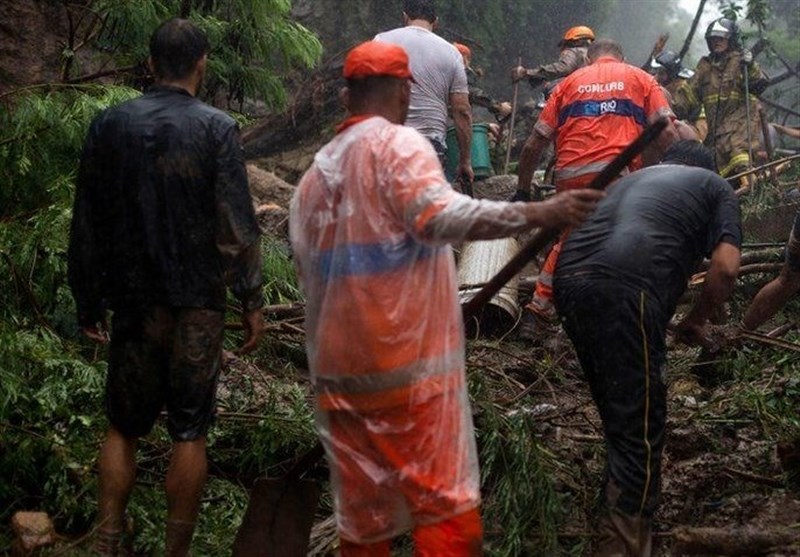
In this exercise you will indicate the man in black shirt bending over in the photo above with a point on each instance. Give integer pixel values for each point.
(617, 283)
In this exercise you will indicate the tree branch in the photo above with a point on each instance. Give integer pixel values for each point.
(104, 73)
(692, 29)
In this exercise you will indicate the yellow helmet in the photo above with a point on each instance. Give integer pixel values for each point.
(580, 32)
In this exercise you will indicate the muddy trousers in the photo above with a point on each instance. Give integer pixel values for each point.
(619, 336)
(460, 536)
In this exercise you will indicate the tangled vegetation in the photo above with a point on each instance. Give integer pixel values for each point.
(539, 491)
(51, 401)
(539, 441)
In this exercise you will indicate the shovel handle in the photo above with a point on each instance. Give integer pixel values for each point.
(546, 235)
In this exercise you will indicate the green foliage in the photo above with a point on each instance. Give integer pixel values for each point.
(262, 421)
(253, 46)
(732, 10)
(764, 387)
(758, 12)
(41, 140)
(48, 421)
(127, 27)
(280, 283)
(517, 478)
(254, 43)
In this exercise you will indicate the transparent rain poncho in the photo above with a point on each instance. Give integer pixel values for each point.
(370, 224)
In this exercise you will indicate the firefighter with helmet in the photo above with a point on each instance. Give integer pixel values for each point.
(725, 85)
(668, 70)
(573, 56)
(671, 74)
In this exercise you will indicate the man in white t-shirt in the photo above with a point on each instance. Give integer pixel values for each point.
(440, 79)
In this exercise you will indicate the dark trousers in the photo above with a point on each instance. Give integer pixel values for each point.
(619, 335)
(164, 356)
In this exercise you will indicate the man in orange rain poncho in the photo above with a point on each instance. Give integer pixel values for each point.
(370, 224)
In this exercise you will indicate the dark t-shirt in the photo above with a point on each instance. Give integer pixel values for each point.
(654, 228)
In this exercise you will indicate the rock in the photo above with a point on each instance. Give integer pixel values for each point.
(497, 188)
(31, 49)
(33, 530)
(274, 220)
(686, 443)
(266, 187)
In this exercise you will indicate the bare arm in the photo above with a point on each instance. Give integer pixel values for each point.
(676, 129)
(785, 130)
(462, 118)
(718, 287)
(772, 297)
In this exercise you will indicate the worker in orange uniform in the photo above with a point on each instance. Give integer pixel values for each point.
(370, 226)
(573, 46)
(596, 112)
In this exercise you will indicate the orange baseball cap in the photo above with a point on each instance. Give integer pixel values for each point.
(377, 58)
(463, 49)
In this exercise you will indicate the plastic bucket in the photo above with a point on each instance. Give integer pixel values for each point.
(479, 262)
(481, 159)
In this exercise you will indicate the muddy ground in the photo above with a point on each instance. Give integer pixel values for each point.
(722, 468)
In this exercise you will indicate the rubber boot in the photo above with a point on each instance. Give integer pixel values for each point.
(622, 535)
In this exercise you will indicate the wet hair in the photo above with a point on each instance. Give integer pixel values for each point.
(175, 48)
(691, 153)
(604, 47)
(420, 9)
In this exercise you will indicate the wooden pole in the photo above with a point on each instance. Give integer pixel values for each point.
(764, 166)
(511, 122)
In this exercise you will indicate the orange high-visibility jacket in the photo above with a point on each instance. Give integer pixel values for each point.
(596, 112)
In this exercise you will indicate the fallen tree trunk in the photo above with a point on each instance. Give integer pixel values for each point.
(315, 108)
(738, 541)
